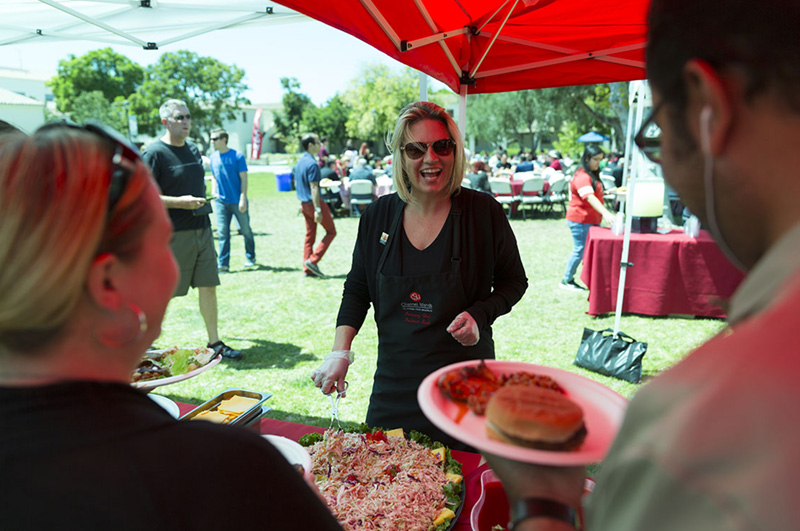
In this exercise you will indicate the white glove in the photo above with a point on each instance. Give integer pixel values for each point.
(333, 371)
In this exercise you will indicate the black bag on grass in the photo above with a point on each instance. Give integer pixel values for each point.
(619, 356)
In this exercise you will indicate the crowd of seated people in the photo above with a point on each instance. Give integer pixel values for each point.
(353, 164)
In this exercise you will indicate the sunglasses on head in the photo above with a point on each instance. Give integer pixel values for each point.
(182, 117)
(417, 150)
(123, 160)
(648, 139)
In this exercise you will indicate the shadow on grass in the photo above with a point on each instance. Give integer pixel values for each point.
(322, 422)
(262, 267)
(235, 234)
(269, 355)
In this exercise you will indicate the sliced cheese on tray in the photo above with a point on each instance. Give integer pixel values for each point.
(236, 405)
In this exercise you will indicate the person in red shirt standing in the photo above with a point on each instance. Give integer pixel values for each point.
(585, 210)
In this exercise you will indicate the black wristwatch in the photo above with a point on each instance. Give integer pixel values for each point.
(540, 508)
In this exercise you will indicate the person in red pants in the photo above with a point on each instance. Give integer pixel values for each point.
(315, 211)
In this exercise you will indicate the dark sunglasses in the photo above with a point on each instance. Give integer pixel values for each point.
(123, 160)
(182, 117)
(215, 138)
(648, 139)
(417, 150)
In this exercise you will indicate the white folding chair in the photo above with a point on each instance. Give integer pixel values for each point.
(558, 193)
(360, 194)
(532, 194)
(524, 175)
(502, 191)
(609, 184)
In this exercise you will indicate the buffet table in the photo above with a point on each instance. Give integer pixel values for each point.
(671, 274)
(471, 463)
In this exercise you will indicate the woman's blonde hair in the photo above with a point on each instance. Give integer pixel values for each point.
(54, 196)
(409, 115)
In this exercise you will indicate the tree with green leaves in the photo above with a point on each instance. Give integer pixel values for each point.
(533, 118)
(104, 71)
(329, 120)
(212, 90)
(376, 96)
(288, 121)
(94, 106)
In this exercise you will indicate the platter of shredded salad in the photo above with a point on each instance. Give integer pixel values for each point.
(383, 481)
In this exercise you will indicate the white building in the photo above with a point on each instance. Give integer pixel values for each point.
(240, 129)
(24, 97)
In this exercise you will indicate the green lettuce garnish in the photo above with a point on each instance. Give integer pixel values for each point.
(180, 361)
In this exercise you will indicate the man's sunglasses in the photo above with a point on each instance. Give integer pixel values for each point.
(648, 139)
(417, 150)
(215, 138)
(123, 160)
(182, 117)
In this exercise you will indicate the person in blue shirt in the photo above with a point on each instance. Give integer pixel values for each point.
(315, 211)
(229, 189)
(524, 165)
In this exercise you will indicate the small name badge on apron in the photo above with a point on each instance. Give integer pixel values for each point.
(384, 238)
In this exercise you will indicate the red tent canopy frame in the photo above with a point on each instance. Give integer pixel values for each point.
(484, 46)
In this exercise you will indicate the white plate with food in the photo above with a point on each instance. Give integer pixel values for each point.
(164, 367)
(171, 407)
(603, 411)
(291, 451)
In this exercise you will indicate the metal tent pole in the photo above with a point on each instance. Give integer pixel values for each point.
(462, 111)
(636, 104)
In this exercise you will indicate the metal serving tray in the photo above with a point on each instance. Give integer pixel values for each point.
(248, 417)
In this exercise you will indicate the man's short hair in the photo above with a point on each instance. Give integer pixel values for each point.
(761, 39)
(166, 109)
(308, 139)
(221, 133)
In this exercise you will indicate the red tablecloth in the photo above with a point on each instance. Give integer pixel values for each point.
(471, 463)
(671, 274)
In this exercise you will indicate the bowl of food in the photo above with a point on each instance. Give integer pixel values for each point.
(164, 367)
(296, 455)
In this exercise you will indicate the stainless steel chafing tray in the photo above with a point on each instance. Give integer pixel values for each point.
(250, 416)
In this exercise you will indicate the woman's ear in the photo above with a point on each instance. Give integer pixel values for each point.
(709, 114)
(101, 282)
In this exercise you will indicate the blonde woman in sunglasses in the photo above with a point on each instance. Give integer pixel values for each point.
(438, 263)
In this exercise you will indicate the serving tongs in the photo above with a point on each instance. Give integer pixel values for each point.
(335, 406)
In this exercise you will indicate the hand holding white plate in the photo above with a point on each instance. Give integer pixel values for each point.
(603, 410)
(158, 382)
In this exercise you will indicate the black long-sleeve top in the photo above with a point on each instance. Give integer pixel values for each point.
(491, 268)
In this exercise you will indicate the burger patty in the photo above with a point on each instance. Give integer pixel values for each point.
(574, 442)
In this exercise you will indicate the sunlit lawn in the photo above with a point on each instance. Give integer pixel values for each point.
(284, 322)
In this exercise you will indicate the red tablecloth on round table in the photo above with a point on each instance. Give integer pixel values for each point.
(671, 274)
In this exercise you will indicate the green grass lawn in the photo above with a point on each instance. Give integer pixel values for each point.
(284, 322)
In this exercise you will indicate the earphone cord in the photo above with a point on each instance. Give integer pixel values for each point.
(708, 188)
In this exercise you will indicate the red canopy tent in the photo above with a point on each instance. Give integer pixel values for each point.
(483, 46)
(499, 45)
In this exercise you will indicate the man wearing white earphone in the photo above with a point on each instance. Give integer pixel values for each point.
(714, 443)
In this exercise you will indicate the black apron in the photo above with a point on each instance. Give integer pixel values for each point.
(413, 313)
